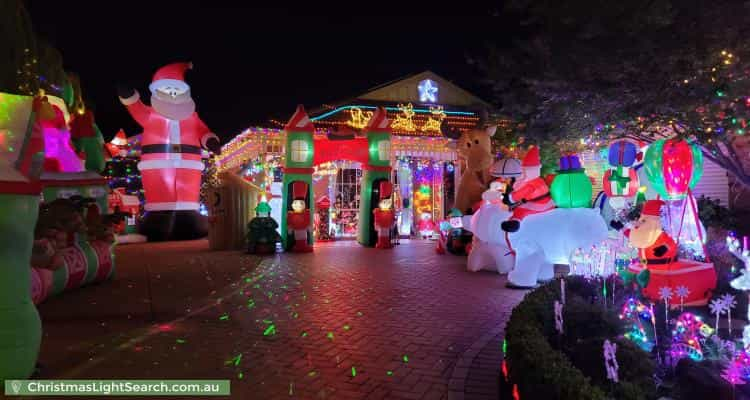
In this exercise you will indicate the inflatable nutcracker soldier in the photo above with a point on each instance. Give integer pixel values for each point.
(298, 219)
(384, 216)
(529, 196)
(171, 166)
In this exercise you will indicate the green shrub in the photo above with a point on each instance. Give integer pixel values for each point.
(713, 214)
(545, 366)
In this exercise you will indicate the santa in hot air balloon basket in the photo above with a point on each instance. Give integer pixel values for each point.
(658, 265)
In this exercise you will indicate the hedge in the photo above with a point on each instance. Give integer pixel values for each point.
(544, 365)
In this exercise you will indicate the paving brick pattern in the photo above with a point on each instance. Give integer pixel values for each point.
(345, 322)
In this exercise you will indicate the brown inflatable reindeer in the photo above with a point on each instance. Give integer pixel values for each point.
(474, 146)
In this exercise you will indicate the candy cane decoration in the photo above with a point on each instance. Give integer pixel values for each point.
(562, 290)
(653, 323)
(558, 317)
(610, 360)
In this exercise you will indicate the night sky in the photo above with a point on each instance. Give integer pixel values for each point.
(254, 64)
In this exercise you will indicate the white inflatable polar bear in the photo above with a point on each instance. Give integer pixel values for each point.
(484, 255)
(490, 257)
(542, 241)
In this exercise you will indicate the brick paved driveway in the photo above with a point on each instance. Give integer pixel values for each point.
(344, 322)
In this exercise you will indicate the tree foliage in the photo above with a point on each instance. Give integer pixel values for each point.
(28, 62)
(586, 69)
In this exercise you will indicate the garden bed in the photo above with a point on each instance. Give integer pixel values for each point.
(540, 363)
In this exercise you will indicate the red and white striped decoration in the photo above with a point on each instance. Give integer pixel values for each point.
(300, 121)
(379, 121)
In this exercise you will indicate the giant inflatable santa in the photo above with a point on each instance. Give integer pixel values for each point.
(171, 165)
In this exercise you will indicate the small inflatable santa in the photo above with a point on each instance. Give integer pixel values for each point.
(530, 195)
(659, 266)
(118, 146)
(171, 166)
(298, 219)
(384, 216)
(654, 245)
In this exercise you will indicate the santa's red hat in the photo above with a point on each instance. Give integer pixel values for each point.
(386, 190)
(652, 207)
(299, 190)
(300, 121)
(172, 75)
(120, 139)
(531, 159)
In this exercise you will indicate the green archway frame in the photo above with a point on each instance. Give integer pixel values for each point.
(303, 152)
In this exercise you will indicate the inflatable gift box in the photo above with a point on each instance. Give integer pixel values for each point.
(87, 184)
(85, 263)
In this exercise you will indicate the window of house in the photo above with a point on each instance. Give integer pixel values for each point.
(384, 150)
(299, 151)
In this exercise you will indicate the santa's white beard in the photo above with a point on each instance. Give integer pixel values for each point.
(176, 111)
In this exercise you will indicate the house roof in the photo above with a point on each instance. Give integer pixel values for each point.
(406, 90)
(457, 105)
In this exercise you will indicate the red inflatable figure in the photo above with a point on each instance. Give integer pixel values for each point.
(298, 218)
(658, 253)
(654, 245)
(171, 166)
(384, 216)
(531, 195)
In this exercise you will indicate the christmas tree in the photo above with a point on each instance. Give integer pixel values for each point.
(322, 217)
(122, 172)
(261, 231)
(122, 169)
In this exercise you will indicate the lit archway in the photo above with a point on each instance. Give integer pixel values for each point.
(304, 151)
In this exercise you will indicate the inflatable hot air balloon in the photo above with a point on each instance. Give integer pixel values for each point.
(673, 167)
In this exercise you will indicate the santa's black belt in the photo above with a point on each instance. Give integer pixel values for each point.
(170, 148)
(657, 261)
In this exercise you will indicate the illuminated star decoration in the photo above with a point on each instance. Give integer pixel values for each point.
(717, 307)
(428, 91)
(665, 293)
(733, 374)
(729, 304)
(682, 292)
